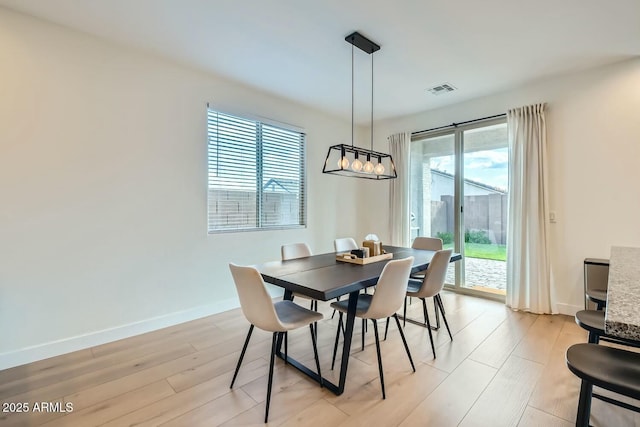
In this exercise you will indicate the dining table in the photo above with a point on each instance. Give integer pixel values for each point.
(323, 277)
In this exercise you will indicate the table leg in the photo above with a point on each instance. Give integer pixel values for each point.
(346, 349)
(348, 334)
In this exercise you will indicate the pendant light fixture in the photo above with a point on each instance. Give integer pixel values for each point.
(349, 160)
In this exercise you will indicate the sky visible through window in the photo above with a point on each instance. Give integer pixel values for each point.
(489, 167)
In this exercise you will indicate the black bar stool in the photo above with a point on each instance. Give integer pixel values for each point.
(593, 322)
(606, 367)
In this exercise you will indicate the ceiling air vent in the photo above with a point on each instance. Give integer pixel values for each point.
(440, 89)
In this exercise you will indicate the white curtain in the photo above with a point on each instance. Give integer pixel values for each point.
(399, 145)
(529, 273)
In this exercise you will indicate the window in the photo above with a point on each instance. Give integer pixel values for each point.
(256, 175)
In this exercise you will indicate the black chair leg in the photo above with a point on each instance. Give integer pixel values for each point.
(286, 347)
(426, 316)
(364, 329)
(437, 311)
(404, 313)
(375, 331)
(273, 354)
(244, 348)
(404, 341)
(424, 310)
(335, 346)
(315, 350)
(334, 310)
(439, 301)
(386, 329)
(584, 404)
(441, 304)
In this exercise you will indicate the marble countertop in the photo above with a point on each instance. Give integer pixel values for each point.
(623, 293)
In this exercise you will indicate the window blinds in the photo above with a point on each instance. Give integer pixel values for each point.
(256, 175)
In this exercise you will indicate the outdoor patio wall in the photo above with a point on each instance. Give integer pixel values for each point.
(593, 150)
(103, 212)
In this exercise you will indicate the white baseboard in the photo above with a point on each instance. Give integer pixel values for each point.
(79, 342)
(568, 309)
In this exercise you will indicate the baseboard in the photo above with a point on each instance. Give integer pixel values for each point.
(67, 345)
(568, 309)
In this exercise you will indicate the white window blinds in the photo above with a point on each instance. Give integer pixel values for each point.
(256, 176)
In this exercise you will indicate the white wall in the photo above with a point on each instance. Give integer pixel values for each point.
(594, 149)
(103, 191)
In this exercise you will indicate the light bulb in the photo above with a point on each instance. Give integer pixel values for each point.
(379, 169)
(368, 167)
(356, 165)
(343, 162)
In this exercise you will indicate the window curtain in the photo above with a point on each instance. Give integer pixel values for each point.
(399, 145)
(529, 274)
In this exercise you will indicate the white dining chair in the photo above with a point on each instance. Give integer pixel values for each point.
(296, 251)
(279, 318)
(427, 244)
(430, 286)
(385, 301)
(345, 244)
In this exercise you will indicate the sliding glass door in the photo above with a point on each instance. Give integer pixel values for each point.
(459, 188)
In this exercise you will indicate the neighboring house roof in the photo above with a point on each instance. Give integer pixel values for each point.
(471, 182)
(282, 185)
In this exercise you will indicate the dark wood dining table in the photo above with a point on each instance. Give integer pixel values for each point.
(323, 278)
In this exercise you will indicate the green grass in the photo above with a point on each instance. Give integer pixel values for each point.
(479, 250)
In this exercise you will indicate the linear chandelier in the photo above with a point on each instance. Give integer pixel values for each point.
(358, 162)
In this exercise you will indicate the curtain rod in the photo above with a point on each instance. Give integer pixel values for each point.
(454, 125)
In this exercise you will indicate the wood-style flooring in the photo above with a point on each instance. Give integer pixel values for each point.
(503, 368)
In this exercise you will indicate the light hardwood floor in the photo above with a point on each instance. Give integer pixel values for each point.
(503, 368)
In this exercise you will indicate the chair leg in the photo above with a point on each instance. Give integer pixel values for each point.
(437, 311)
(375, 331)
(313, 327)
(584, 404)
(334, 310)
(404, 313)
(439, 301)
(364, 329)
(386, 329)
(441, 305)
(273, 354)
(244, 348)
(594, 338)
(424, 310)
(404, 341)
(286, 347)
(335, 346)
(426, 316)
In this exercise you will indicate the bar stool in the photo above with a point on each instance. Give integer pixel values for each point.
(593, 322)
(606, 367)
(599, 297)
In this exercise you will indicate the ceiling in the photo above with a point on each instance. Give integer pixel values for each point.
(296, 50)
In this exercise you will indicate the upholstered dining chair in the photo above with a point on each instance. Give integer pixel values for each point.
(295, 251)
(385, 301)
(427, 244)
(279, 318)
(430, 286)
(345, 244)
